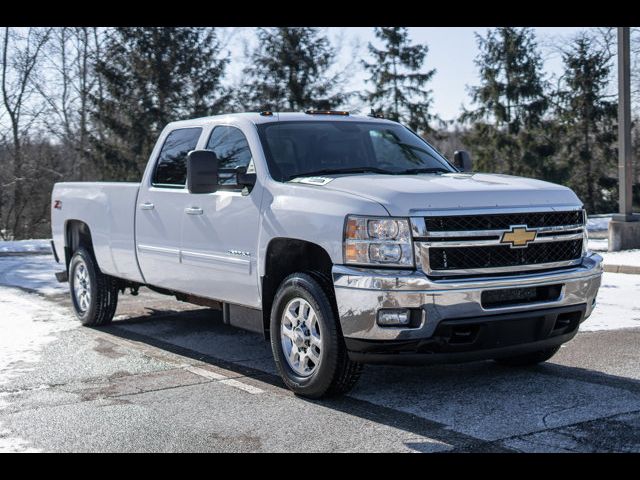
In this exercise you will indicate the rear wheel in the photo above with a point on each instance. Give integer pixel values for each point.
(529, 359)
(306, 340)
(94, 294)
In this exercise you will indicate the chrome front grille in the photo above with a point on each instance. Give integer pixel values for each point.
(492, 243)
(453, 258)
(502, 221)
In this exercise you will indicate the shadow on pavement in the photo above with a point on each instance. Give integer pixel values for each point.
(480, 406)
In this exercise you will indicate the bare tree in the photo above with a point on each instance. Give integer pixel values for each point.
(65, 88)
(20, 55)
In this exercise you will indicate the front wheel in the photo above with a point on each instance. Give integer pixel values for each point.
(94, 294)
(306, 340)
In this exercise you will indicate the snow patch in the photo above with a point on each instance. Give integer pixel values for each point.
(33, 272)
(27, 324)
(598, 223)
(26, 246)
(623, 257)
(618, 304)
(9, 444)
(598, 244)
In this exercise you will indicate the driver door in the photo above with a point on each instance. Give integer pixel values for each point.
(220, 229)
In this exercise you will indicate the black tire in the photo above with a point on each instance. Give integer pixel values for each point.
(100, 306)
(335, 374)
(529, 359)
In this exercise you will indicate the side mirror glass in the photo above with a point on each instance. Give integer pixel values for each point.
(236, 178)
(245, 179)
(202, 171)
(462, 160)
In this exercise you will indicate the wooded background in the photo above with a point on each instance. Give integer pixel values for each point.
(86, 103)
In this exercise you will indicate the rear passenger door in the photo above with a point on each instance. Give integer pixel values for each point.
(161, 207)
(220, 230)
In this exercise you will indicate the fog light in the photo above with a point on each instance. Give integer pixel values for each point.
(393, 318)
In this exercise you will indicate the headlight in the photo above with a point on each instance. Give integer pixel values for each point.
(377, 241)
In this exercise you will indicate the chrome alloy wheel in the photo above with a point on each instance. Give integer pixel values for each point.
(300, 337)
(82, 287)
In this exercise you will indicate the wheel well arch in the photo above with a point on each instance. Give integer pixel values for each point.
(76, 234)
(285, 256)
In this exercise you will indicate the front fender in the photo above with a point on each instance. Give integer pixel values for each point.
(310, 213)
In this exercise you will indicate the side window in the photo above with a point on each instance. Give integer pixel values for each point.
(231, 147)
(171, 168)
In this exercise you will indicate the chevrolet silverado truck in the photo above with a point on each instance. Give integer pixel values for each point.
(343, 239)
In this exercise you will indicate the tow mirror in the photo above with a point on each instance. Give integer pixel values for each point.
(462, 160)
(202, 171)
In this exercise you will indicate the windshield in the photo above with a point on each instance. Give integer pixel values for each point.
(304, 148)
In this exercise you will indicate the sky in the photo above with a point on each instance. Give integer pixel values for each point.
(452, 51)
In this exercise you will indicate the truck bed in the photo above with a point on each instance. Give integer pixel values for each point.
(108, 208)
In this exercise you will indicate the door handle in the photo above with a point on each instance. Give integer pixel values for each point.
(146, 206)
(193, 211)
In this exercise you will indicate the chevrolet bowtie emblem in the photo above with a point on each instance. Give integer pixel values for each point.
(518, 236)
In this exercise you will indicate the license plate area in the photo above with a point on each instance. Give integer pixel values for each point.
(511, 297)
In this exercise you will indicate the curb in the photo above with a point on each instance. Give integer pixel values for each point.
(622, 269)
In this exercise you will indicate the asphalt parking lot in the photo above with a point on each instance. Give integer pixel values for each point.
(168, 376)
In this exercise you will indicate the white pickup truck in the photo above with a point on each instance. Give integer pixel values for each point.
(343, 239)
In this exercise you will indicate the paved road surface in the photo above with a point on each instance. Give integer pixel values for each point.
(168, 376)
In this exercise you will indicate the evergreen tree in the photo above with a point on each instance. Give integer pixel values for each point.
(588, 125)
(510, 101)
(150, 77)
(400, 91)
(290, 70)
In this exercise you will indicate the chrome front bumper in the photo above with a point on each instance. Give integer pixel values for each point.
(361, 292)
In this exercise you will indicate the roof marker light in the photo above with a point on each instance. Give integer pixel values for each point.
(326, 112)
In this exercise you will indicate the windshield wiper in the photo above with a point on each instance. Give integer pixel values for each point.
(335, 171)
(423, 170)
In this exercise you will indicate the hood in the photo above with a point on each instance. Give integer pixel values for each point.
(405, 195)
